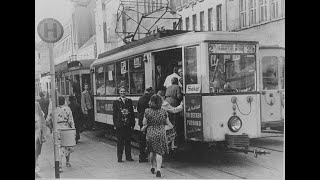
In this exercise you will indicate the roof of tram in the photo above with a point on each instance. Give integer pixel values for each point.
(170, 39)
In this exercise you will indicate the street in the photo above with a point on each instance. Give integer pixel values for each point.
(94, 157)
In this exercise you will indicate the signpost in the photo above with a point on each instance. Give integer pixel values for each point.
(50, 31)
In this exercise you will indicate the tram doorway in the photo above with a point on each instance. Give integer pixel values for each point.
(165, 61)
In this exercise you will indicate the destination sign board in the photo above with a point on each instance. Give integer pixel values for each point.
(232, 48)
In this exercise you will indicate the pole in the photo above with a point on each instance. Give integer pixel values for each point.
(53, 99)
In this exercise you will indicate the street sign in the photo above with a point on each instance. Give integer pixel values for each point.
(50, 30)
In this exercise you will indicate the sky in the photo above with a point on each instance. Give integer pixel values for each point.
(57, 9)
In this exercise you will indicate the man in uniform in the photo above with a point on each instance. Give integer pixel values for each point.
(87, 107)
(143, 104)
(124, 122)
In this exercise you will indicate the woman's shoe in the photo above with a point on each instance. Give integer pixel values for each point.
(68, 164)
(158, 174)
(60, 169)
(152, 170)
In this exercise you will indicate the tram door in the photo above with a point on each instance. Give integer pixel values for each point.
(272, 98)
(165, 61)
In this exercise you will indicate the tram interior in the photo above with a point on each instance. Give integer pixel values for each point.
(164, 63)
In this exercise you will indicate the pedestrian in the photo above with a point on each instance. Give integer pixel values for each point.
(154, 122)
(87, 107)
(77, 115)
(171, 133)
(173, 93)
(167, 82)
(76, 89)
(40, 133)
(124, 122)
(44, 104)
(64, 119)
(143, 104)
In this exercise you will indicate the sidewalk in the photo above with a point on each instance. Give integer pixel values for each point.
(94, 159)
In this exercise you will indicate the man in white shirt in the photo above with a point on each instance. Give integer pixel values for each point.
(167, 82)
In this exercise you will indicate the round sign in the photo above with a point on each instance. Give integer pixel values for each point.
(50, 30)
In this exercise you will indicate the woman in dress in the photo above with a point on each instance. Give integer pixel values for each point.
(155, 119)
(64, 120)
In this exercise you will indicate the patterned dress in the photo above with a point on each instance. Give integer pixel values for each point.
(64, 121)
(156, 133)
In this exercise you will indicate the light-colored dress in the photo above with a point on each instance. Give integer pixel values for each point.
(64, 120)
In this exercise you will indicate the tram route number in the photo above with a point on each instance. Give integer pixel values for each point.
(194, 123)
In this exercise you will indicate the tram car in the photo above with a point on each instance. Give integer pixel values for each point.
(272, 77)
(220, 83)
(73, 74)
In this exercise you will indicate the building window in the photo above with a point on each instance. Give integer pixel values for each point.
(252, 12)
(242, 13)
(174, 25)
(180, 24)
(194, 22)
(274, 9)
(283, 7)
(187, 23)
(263, 10)
(219, 18)
(201, 21)
(210, 22)
(124, 24)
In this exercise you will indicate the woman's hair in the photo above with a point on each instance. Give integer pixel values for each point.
(174, 80)
(161, 93)
(61, 100)
(155, 102)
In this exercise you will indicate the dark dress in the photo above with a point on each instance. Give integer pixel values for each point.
(156, 133)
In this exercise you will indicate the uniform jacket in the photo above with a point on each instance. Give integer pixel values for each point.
(143, 104)
(86, 102)
(118, 116)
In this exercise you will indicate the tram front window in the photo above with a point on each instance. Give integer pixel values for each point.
(232, 72)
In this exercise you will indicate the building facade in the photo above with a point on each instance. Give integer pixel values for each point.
(263, 19)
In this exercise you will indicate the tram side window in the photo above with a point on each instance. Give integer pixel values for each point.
(270, 72)
(67, 85)
(282, 71)
(58, 85)
(110, 80)
(122, 78)
(231, 73)
(100, 86)
(191, 65)
(136, 73)
(62, 86)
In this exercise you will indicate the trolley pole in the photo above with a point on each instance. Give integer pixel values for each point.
(53, 99)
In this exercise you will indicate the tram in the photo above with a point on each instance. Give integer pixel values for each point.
(77, 72)
(272, 77)
(220, 82)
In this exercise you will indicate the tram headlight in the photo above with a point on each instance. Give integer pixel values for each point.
(234, 124)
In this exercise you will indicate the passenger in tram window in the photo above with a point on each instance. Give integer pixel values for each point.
(77, 115)
(124, 122)
(168, 81)
(154, 121)
(143, 104)
(181, 77)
